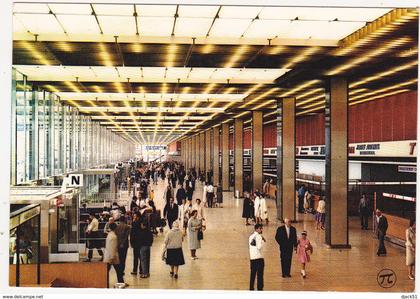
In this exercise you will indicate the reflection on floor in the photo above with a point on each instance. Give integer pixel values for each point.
(223, 262)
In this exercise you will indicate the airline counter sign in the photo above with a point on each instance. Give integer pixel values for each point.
(406, 148)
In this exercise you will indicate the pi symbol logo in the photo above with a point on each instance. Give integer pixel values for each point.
(386, 278)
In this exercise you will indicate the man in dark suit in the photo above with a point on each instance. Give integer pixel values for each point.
(381, 228)
(287, 240)
(170, 212)
(180, 195)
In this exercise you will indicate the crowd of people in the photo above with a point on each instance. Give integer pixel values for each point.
(135, 224)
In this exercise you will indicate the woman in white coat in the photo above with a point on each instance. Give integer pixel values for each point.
(257, 207)
(111, 256)
(263, 209)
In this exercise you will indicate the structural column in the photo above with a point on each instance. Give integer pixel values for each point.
(197, 152)
(216, 133)
(208, 153)
(239, 159)
(225, 156)
(193, 153)
(189, 152)
(286, 162)
(202, 152)
(257, 150)
(336, 162)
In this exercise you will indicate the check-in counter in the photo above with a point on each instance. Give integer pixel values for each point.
(58, 214)
(398, 209)
(67, 275)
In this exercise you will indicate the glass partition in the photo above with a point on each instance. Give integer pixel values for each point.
(50, 138)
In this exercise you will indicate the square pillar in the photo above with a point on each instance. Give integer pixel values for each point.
(216, 137)
(225, 156)
(336, 162)
(193, 152)
(190, 154)
(208, 153)
(239, 152)
(186, 153)
(197, 152)
(202, 152)
(286, 161)
(257, 150)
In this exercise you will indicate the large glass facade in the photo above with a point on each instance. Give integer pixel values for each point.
(51, 139)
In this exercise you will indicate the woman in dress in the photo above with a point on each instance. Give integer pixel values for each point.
(247, 208)
(172, 251)
(194, 226)
(303, 250)
(410, 245)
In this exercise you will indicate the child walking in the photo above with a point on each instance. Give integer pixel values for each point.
(304, 249)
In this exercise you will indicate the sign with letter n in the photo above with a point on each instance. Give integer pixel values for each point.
(75, 180)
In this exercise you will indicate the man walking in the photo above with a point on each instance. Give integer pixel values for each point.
(287, 240)
(210, 195)
(170, 212)
(180, 195)
(381, 228)
(92, 236)
(256, 243)
(122, 231)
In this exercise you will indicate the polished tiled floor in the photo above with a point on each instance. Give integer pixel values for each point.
(223, 262)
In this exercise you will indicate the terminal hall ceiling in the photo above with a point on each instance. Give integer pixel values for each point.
(160, 72)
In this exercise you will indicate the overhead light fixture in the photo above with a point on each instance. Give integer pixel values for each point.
(233, 60)
(383, 95)
(303, 55)
(385, 47)
(380, 75)
(300, 87)
(104, 55)
(35, 53)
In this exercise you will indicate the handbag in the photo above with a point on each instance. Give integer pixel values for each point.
(164, 254)
(200, 235)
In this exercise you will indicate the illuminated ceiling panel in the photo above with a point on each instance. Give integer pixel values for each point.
(30, 8)
(266, 28)
(318, 29)
(118, 25)
(156, 10)
(322, 14)
(86, 96)
(155, 26)
(40, 23)
(156, 22)
(114, 9)
(73, 24)
(239, 12)
(150, 74)
(77, 9)
(197, 11)
(195, 27)
(229, 27)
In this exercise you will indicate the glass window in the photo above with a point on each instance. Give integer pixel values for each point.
(42, 141)
(20, 128)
